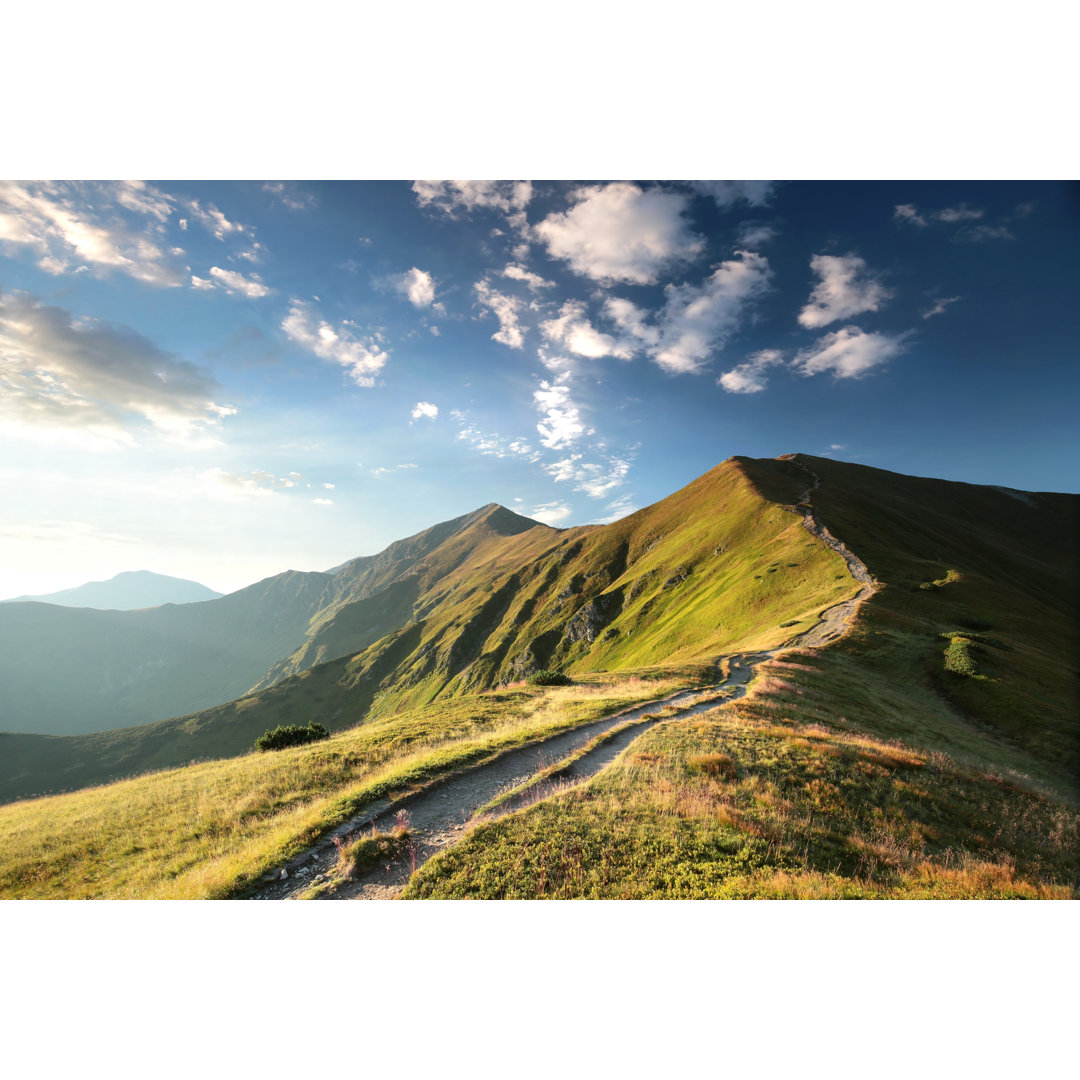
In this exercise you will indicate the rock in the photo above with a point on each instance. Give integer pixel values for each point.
(284, 874)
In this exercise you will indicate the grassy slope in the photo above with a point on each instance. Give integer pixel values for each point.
(713, 568)
(864, 769)
(210, 829)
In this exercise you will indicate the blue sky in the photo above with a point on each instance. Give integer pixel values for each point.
(225, 380)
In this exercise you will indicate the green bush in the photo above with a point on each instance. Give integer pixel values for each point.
(549, 677)
(290, 735)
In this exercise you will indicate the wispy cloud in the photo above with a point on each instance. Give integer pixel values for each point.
(596, 479)
(235, 283)
(749, 376)
(621, 233)
(362, 356)
(534, 281)
(386, 470)
(61, 373)
(754, 234)
(849, 353)
(619, 508)
(289, 195)
(977, 234)
(561, 423)
(492, 443)
(214, 221)
(506, 309)
(726, 193)
(939, 306)
(845, 289)
(550, 513)
(696, 320)
(453, 197)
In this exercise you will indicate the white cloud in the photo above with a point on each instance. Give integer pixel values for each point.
(233, 282)
(939, 307)
(201, 283)
(749, 376)
(505, 308)
(362, 357)
(234, 487)
(450, 196)
(618, 232)
(561, 423)
(58, 372)
(753, 234)
(139, 196)
(418, 286)
(551, 513)
(696, 320)
(950, 215)
(329, 487)
(573, 331)
(64, 225)
(842, 292)
(849, 353)
(726, 193)
(323, 502)
(534, 281)
(425, 408)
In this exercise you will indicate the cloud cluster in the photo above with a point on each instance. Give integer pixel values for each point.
(61, 373)
(68, 232)
(550, 513)
(696, 320)
(908, 213)
(454, 196)
(289, 195)
(621, 233)
(362, 357)
(425, 409)
(573, 331)
(595, 478)
(493, 444)
(845, 289)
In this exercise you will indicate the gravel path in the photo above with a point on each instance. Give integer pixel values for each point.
(441, 812)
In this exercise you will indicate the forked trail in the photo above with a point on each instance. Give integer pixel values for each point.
(440, 813)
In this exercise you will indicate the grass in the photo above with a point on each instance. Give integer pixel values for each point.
(212, 829)
(747, 801)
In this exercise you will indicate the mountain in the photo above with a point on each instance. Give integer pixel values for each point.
(722, 565)
(70, 671)
(129, 591)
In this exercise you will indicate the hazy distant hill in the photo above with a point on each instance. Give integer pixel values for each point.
(129, 591)
(66, 671)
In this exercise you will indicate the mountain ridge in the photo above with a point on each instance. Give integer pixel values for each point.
(130, 590)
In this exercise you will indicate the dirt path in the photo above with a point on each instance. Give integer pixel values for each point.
(441, 812)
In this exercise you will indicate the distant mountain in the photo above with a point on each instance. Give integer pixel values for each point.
(67, 671)
(129, 591)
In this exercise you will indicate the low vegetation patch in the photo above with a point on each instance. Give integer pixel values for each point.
(287, 735)
(548, 677)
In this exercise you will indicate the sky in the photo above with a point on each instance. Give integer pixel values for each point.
(224, 380)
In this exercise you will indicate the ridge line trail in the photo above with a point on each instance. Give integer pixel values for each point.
(441, 812)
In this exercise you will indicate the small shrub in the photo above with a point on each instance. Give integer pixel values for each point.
(720, 765)
(290, 735)
(792, 622)
(550, 677)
